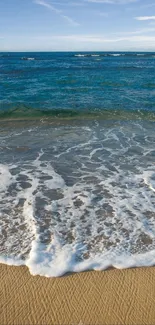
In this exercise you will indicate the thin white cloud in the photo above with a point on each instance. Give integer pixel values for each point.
(76, 4)
(145, 18)
(113, 1)
(69, 4)
(87, 42)
(99, 38)
(137, 32)
(57, 11)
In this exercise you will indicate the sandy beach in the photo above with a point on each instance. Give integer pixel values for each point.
(110, 297)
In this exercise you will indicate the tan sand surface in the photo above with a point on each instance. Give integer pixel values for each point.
(109, 297)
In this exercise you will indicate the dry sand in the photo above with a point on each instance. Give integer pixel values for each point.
(110, 297)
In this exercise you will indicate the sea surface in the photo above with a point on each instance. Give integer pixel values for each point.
(77, 161)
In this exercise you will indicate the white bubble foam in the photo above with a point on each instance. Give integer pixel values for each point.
(84, 201)
(5, 178)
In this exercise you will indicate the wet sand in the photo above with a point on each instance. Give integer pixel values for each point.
(110, 297)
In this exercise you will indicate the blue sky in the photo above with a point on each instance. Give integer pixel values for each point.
(77, 25)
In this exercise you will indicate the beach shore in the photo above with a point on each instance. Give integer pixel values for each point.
(110, 297)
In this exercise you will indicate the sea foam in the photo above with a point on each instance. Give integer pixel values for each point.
(78, 197)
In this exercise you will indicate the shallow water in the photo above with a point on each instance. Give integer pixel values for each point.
(77, 195)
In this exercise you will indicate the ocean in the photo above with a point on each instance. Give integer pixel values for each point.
(77, 164)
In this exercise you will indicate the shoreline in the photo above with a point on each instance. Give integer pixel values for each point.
(96, 297)
(67, 115)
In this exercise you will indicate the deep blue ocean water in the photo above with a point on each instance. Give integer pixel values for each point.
(77, 161)
(77, 81)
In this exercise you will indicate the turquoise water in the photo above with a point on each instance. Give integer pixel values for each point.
(81, 82)
(77, 161)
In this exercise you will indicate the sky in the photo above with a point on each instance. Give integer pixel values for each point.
(77, 25)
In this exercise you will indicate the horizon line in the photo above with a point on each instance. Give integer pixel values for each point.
(72, 51)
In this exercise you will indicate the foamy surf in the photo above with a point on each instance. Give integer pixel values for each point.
(77, 196)
(26, 58)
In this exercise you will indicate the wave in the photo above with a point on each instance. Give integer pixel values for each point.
(29, 59)
(25, 112)
(71, 203)
(117, 54)
(50, 56)
(80, 55)
(87, 55)
(40, 261)
(127, 54)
